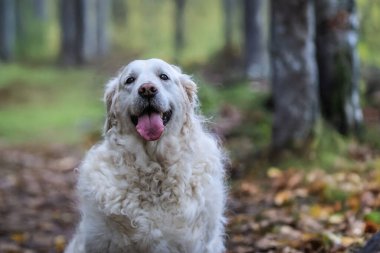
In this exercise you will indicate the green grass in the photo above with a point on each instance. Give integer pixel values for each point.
(49, 104)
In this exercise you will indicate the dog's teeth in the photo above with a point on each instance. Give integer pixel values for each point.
(161, 114)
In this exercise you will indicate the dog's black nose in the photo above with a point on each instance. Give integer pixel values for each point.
(147, 90)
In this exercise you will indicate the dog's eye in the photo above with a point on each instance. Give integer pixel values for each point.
(164, 77)
(130, 80)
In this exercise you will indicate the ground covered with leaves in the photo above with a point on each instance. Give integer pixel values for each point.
(286, 210)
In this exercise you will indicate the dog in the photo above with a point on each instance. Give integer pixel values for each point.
(156, 183)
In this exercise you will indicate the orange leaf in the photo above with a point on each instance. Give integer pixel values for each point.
(283, 197)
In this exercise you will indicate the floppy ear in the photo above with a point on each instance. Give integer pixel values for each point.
(109, 95)
(190, 89)
(189, 86)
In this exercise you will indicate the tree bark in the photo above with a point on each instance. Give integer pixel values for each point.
(103, 10)
(89, 20)
(228, 7)
(7, 29)
(119, 12)
(84, 35)
(255, 31)
(338, 62)
(70, 30)
(294, 72)
(39, 7)
(179, 37)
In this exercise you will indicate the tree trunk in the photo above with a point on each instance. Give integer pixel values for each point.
(294, 72)
(119, 12)
(228, 7)
(89, 20)
(103, 10)
(338, 62)
(256, 51)
(39, 7)
(69, 32)
(7, 29)
(84, 35)
(179, 37)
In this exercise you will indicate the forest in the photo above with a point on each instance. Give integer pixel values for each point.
(290, 87)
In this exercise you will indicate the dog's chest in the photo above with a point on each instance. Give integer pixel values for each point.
(169, 195)
(152, 187)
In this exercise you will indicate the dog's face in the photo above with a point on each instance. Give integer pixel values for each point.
(148, 98)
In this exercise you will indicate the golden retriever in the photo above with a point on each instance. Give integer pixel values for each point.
(156, 183)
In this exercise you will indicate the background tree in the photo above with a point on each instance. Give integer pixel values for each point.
(102, 17)
(31, 28)
(84, 33)
(338, 63)
(255, 38)
(119, 12)
(179, 34)
(228, 10)
(294, 72)
(40, 7)
(7, 29)
(71, 14)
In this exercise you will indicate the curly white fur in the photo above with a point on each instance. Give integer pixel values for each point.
(164, 196)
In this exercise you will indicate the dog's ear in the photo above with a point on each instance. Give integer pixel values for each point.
(109, 95)
(190, 88)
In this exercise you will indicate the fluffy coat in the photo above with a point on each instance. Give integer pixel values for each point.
(162, 196)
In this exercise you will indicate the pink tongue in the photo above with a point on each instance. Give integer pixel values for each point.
(150, 126)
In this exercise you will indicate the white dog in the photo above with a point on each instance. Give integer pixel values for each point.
(156, 182)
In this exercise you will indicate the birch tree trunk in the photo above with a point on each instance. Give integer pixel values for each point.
(103, 11)
(256, 37)
(7, 29)
(294, 72)
(338, 62)
(228, 9)
(84, 30)
(179, 34)
(119, 12)
(70, 30)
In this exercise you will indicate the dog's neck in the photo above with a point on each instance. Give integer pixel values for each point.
(165, 151)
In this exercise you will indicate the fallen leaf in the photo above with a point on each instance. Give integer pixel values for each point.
(274, 172)
(336, 219)
(59, 243)
(283, 197)
(19, 237)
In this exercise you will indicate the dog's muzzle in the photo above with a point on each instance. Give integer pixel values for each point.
(151, 122)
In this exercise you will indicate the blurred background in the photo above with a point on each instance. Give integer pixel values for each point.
(292, 88)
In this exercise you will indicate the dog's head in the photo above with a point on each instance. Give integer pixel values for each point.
(149, 97)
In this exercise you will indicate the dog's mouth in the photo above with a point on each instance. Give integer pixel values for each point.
(150, 124)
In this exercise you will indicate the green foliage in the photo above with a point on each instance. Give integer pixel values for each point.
(335, 194)
(328, 145)
(371, 136)
(369, 13)
(213, 96)
(373, 216)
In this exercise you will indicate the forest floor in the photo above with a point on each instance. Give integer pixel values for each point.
(288, 210)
